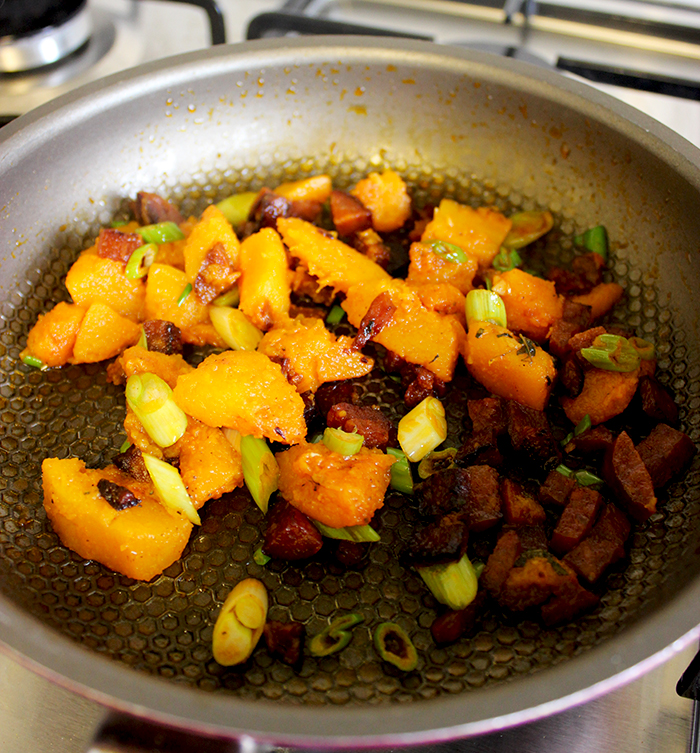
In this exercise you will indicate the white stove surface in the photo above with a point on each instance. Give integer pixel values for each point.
(645, 716)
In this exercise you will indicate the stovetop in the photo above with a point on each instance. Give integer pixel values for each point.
(646, 716)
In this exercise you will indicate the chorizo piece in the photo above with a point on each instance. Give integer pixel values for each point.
(603, 546)
(626, 474)
(290, 535)
(374, 426)
(577, 519)
(665, 453)
(519, 507)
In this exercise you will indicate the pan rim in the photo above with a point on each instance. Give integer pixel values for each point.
(617, 661)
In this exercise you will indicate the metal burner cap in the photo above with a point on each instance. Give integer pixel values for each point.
(26, 52)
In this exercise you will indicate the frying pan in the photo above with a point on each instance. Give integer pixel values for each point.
(197, 127)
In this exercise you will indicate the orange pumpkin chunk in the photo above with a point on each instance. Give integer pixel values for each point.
(139, 542)
(331, 261)
(605, 394)
(601, 299)
(209, 464)
(337, 491)
(265, 285)
(428, 267)
(103, 334)
(314, 356)
(93, 279)
(386, 197)
(479, 232)
(416, 334)
(163, 290)
(212, 229)
(315, 188)
(52, 338)
(532, 304)
(243, 390)
(138, 360)
(506, 366)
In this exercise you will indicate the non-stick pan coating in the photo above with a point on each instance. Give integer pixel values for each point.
(475, 130)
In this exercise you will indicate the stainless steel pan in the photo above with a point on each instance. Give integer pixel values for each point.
(196, 127)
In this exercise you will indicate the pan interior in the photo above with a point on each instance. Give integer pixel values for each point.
(164, 627)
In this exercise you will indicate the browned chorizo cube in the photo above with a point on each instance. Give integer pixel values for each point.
(665, 453)
(531, 436)
(570, 600)
(487, 414)
(597, 439)
(603, 546)
(628, 477)
(556, 489)
(452, 625)
(501, 560)
(376, 428)
(519, 507)
(577, 519)
(655, 400)
(482, 508)
(533, 582)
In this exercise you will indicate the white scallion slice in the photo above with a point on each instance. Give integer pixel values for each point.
(358, 534)
(170, 488)
(422, 429)
(260, 470)
(236, 208)
(485, 306)
(453, 584)
(152, 401)
(140, 260)
(234, 327)
(401, 478)
(343, 442)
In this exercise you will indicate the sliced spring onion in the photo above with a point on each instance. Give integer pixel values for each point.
(422, 429)
(401, 479)
(260, 558)
(235, 329)
(143, 340)
(229, 298)
(342, 442)
(437, 461)
(358, 534)
(118, 223)
(170, 488)
(335, 636)
(260, 470)
(236, 208)
(506, 259)
(583, 425)
(586, 478)
(612, 353)
(394, 645)
(479, 567)
(140, 260)
(644, 348)
(125, 446)
(564, 471)
(594, 239)
(240, 623)
(161, 232)
(335, 315)
(185, 292)
(34, 362)
(527, 227)
(486, 306)
(453, 584)
(449, 252)
(151, 399)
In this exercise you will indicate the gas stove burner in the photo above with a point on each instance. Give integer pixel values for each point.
(41, 32)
